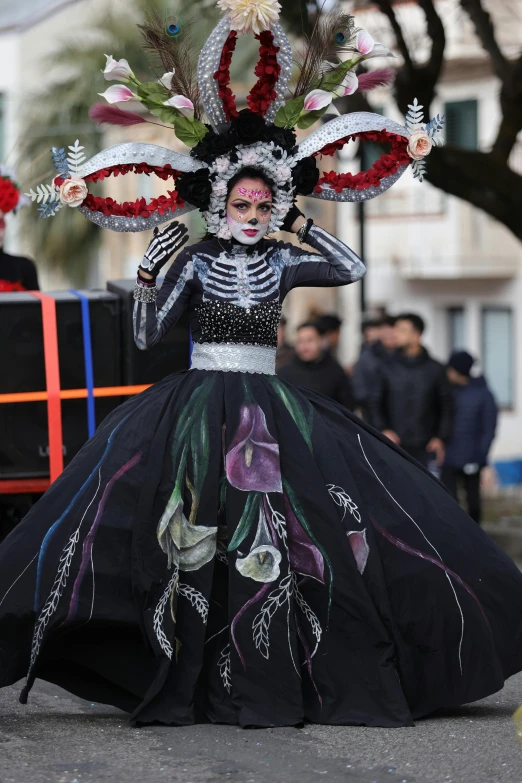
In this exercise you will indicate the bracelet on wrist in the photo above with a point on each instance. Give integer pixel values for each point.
(303, 231)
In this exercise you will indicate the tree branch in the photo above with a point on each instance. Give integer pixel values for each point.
(497, 190)
(386, 8)
(437, 34)
(486, 33)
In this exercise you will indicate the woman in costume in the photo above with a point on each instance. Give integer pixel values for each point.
(227, 547)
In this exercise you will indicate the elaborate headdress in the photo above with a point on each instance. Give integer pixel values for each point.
(261, 136)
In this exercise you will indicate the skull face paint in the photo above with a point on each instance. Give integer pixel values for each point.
(249, 207)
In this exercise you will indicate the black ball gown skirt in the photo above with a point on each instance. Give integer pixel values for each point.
(231, 548)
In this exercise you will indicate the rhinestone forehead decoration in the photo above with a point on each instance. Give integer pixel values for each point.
(255, 195)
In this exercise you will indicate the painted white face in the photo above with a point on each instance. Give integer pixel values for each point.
(249, 207)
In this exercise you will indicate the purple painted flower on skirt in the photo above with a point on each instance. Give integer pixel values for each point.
(360, 548)
(304, 556)
(253, 458)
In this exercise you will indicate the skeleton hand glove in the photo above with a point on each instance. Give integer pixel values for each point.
(161, 248)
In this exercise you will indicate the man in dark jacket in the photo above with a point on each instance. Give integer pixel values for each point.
(473, 431)
(316, 369)
(365, 374)
(411, 403)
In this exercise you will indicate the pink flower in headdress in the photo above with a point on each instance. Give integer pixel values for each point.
(419, 145)
(117, 69)
(283, 173)
(220, 188)
(73, 191)
(182, 104)
(224, 232)
(222, 165)
(117, 93)
(250, 157)
(317, 99)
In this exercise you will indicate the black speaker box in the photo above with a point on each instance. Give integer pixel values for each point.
(170, 355)
(24, 442)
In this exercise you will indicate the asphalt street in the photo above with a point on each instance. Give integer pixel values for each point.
(60, 738)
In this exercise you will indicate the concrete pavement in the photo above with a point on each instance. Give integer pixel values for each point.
(62, 739)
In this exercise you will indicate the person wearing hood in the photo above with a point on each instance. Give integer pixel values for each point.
(474, 428)
(411, 403)
(316, 369)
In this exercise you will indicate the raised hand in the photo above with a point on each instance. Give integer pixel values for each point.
(161, 248)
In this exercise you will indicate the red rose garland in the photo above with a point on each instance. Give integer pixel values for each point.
(163, 172)
(267, 70)
(9, 195)
(222, 76)
(140, 207)
(383, 167)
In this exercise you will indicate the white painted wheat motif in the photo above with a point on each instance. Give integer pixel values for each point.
(197, 600)
(261, 624)
(158, 616)
(343, 500)
(50, 606)
(309, 614)
(224, 667)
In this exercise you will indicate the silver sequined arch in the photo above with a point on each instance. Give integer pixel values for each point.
(153, 155)
(339, 128)
(208, 64)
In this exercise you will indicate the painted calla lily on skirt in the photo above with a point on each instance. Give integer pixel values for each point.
(317, 99)
(360, 548)
(188, 546)
(304, 556)
(118, 93)
(262, 562)
(252, 462)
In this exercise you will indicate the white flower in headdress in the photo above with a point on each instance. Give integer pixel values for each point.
(251, 16)
(182, 104)
(117, 70)
(222, 165)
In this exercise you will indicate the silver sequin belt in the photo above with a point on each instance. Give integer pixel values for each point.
(233, 357)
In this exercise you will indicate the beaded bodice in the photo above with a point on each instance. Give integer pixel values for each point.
(224, 322)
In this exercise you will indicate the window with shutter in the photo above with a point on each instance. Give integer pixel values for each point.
(462, 124)
(497, 353)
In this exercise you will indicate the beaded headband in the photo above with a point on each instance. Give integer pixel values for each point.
(260, 137)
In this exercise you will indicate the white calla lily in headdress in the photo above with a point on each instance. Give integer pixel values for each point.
(261, 136)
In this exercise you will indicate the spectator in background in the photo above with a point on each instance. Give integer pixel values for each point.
(285, 351)
(473, 431)
(16, 272)
(412, 401)
(329, 327)
(374, 351)
(371, 331)
(315, 369)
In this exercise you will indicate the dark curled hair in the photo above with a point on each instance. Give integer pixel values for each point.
(415, 320)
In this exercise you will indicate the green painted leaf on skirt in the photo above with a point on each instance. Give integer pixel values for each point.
(303, 423)
(248, 518)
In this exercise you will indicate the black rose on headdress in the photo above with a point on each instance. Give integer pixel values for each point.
(212, 146)
(283, 137)
(305, 175)
(247, 128)
(195, 187)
